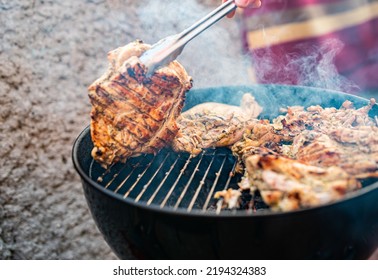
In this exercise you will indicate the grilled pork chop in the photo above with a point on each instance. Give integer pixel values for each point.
(214, 125)
(132, 113)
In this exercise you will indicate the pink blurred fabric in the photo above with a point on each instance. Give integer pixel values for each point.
(354, 48)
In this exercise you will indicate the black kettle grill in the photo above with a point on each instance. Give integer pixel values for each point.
(162, 206)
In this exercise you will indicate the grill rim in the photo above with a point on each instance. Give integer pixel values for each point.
(197, 212)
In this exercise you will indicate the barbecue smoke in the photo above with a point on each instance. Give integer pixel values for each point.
(215, 58)
(312, 66)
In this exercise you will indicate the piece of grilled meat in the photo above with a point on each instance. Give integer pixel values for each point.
(214, 125)
(357, 155)
(319, 136)
(288, 184)
(308, 157)
(132, 113)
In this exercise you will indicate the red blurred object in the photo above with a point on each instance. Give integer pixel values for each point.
(286, 37)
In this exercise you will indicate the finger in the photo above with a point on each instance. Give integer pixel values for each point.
(257, 4)
(244, 4)
(230, 15)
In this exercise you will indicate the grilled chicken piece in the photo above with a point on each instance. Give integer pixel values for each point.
(229, 198)
(260, 137)
(354, 150)
(132, 113)
(321, 119)
(308, 157)
(347, 125)
(287, 184)
(347, 137)
(214, 125)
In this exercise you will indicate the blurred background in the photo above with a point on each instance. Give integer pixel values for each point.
(50, 51)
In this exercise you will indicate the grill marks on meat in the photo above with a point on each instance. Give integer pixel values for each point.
(358, 156)
(288, 184)
(132, 114)
(214, 125)
(347, 138)
(309, 157)
(261, 138)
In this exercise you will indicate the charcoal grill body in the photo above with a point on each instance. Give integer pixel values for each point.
(346, 229)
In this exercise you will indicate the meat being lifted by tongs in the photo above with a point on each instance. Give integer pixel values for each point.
(133, 114)
(135, 104)
(169, 48)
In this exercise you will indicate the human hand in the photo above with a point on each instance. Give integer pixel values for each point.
(244, 4)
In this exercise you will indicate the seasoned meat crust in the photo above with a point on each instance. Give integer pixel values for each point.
(210, 125)
(344, 137)
(358, 156)
(288, 184)
(132, 113)
(308, 157)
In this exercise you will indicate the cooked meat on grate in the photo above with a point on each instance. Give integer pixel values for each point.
(132, 113)
(354, 150)
(308, 157)
(287, 184)
(262, 137)
(230, 198)
(351, 128)
(214, 125)
(321, 119)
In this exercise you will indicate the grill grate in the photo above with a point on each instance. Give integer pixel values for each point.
(179, 181)
(172, 180)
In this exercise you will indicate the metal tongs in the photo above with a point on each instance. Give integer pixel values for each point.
(169, 48)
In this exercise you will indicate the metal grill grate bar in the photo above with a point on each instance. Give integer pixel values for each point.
(114, 177)
(145, 187)
(101, 177)
(163, 181)
(138, 179)
(188, 183)
(211, 192)
(201, 184)
(220, 202)
(172, 180)
(128, 176)
(176, 181)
